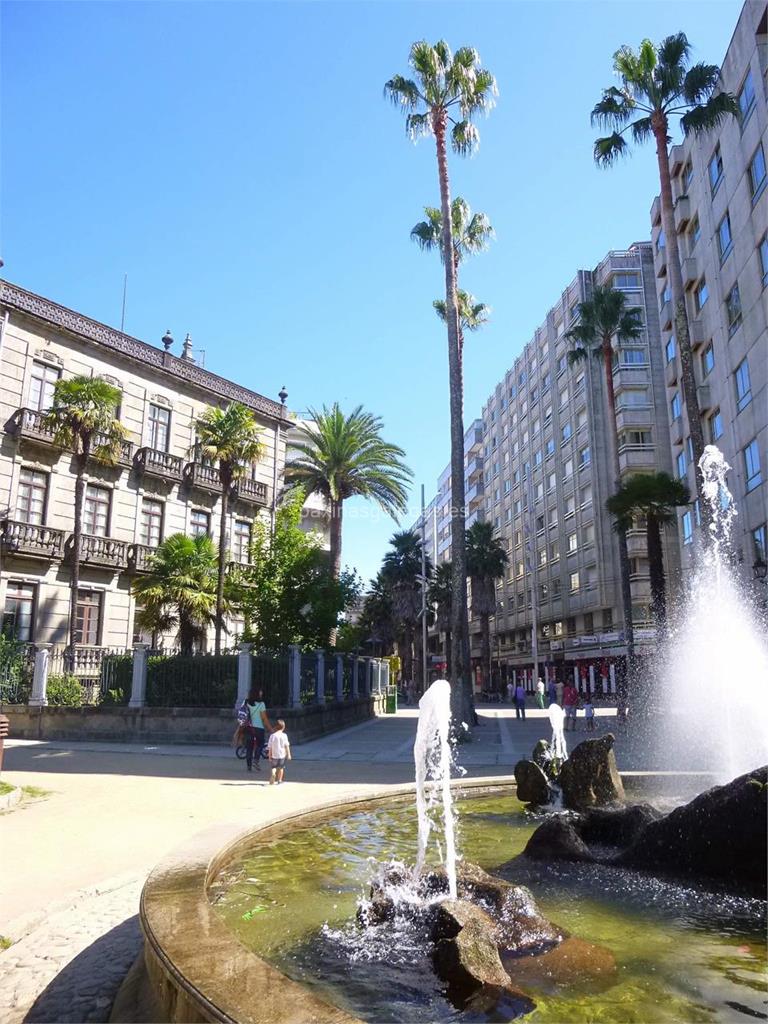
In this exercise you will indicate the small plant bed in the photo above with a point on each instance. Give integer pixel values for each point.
(6, 788)
(35, 792)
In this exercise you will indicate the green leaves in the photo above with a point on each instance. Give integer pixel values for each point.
(472, 314)
(608, 150)
(83, 417)
(603, 319)
(472, 232)
(654, 495)
(230, 438)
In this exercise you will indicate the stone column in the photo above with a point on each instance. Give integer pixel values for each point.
(611, 678)
(355, 667)
(38, 698)
(320, 677)
(294, 676)
(244, 666)
(139, 677)
(339, 678)
(591, 679)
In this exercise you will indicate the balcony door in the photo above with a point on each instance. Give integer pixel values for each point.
(159, 428)
(33, 490)
(96, 512)
(88, 616)
(19, 611)
(41, 385)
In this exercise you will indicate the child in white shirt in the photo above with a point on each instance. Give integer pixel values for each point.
(279, 750)
(589, 714)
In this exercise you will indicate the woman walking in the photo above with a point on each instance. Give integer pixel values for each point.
(256, 722)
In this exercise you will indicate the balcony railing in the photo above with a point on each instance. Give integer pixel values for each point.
(252, 491)
(159, 464)
(30, 425)
(104, 551)
(29, 539)
(140, 557)
(124, 455)
(203, 477)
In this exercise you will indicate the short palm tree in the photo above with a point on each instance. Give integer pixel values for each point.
(472, 314)
(486, 561)
(179, 591)
(656, 84)
(440, 595)
(377, 618)
(83, 420)
(449, 89)
(655, 497)
(401, 569)
(341, 456)
(604, 320)
(230, 439)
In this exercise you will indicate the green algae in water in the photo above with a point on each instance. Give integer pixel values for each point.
(682, 955)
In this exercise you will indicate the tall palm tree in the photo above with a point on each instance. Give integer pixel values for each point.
(179, 591)
(472, 314)
(440, 596)
(656, 85)
(486, 561)
(230, 439)
(401, 569)
(656, 497)
(340, 456)
(377, 618)
(472, 233)
(449, 89)
(603, 319)
(83, 420)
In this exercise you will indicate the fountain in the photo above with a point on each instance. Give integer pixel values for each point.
(432, 758)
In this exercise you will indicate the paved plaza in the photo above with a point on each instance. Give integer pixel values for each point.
(76, 859)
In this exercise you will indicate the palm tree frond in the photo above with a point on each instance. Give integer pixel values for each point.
(708, 116)
(465, 138)
(608, 149)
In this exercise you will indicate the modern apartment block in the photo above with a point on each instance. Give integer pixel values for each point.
(720, 187)
(158, 487)
(538, 466)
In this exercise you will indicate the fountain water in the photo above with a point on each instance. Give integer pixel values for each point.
(556, 718)
(432, 757)
(713, 672)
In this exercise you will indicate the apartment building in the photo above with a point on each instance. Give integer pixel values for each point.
(157, 488)
(720, 187)
(538, 467)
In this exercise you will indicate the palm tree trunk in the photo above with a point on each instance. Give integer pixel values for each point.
(222, 560)
(335, 538)
(418, 659)
(626, 587)
(656, 572)
(77, 542)
(485, 626)
(448, 653)
(461, 693)
(682, 333)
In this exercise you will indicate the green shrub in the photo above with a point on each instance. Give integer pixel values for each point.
(64, 691)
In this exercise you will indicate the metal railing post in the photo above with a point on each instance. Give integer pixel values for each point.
(294, 676)
(244, 670)
(38, 698)
(339, 678)
(139, 676)
(355, 667)
(320, 678)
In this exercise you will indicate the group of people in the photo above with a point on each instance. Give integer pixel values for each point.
(564, 694)
(254, 723)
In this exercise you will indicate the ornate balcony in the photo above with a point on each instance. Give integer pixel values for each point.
(29, 425)
(252, 491)
(29, 540)
(103, 551)
(139, 557)
(202, 477)
(158, 464)
(124, 454)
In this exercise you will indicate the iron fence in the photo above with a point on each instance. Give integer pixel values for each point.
(329, 680)
(308, 678)
(116, 678)
(17, 664)
(270, 673)
(191, 681)
(346, 687)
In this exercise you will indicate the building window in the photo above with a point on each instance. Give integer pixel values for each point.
(159, 427)
(42, 384)
(566, 432)
(743, 385)
(626, 280)
(687, 528)
(701, 294)
(676, 406)
(96, 514)
(634, 357)
(681, 465)
(572, 543)
(570, 506)
(746, 98)
(724, 237)
(88, 616)
(759, 544)
(568, 468)
(537, 458)
(733, 308)
(551, 481)
(687, 174)
(695, 232)
(585, 497)
(757, 173)
(573, 582)
(199, 523)
(670, 349)
(151, 532)
(661, 243)
(19, 612)
(585, 457)
(562, 364)
(33, 492)
(763, 251)
(752, 465)
(707, 360)
(715, 426)
(563, 398)
(549, 447)
(715, 169)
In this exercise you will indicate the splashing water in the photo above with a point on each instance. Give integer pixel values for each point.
(713, 673)
(556, 717)
(432, 757)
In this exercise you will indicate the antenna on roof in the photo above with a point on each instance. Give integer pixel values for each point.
(122, 317)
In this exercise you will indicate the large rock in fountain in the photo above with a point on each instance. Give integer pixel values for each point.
(590, 778)
(532, 784)
(721, 835)
(615, 826)
(557, 838)
(573, 964)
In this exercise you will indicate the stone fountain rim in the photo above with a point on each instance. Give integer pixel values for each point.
(198, 968)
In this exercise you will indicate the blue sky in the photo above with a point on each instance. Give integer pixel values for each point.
(239, 163)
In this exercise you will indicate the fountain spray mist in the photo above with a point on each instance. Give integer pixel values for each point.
(713, 673)
(432, 758)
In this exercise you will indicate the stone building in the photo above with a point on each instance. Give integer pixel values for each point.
(158, 487)
(720, 188)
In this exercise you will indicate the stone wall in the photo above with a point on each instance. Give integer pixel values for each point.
(177, 725)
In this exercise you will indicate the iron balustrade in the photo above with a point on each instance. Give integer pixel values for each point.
(203, 477)
(252, 491)
(104, 551)
(30, 424)
(123, 455)
(30, 539)
(140, 557)
(159, 464)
